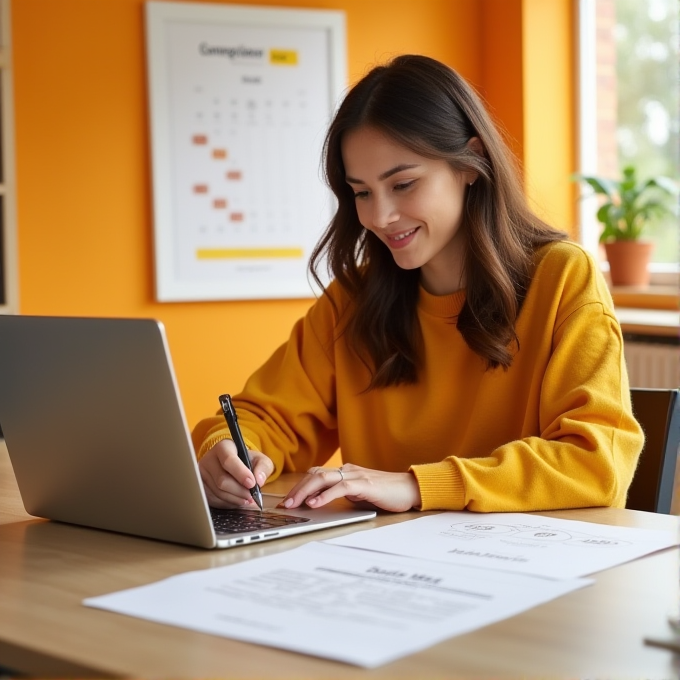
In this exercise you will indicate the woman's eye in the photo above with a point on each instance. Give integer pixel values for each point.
(402, 186)
(360, 194)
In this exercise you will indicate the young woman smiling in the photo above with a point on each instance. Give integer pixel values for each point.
(466, 355)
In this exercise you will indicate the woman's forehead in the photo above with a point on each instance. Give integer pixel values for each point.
(370, 144)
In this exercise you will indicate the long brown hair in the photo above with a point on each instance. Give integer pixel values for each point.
(427, 107)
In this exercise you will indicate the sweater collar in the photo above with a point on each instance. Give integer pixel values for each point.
(441, 305)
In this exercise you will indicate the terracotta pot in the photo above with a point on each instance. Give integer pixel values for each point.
(628, 262)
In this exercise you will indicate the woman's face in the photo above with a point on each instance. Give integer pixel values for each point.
(413, 204)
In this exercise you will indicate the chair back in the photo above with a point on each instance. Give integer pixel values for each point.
(658, 412)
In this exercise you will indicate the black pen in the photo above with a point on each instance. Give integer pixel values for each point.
(232, 422)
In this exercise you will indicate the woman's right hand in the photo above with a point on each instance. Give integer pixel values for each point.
(227, 481)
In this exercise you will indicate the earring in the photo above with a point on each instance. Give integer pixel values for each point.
(471, 183)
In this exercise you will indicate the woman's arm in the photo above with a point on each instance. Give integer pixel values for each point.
(287, 409)
(588, 444)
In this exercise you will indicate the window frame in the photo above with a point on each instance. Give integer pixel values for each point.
(662, 273)
(9, 304)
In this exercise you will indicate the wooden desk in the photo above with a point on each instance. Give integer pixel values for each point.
(47, 569)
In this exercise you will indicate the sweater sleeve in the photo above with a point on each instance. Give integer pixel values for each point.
(587, 445)
(287, 407)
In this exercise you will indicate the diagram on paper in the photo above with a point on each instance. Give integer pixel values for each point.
(530, 536)
(525, 543)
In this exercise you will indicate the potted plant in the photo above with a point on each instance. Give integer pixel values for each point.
(629, 206)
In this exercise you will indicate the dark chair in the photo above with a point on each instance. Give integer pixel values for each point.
(658, 411)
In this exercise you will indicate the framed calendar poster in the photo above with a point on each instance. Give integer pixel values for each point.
(240, 99)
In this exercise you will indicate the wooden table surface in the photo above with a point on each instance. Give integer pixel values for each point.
(48, 568)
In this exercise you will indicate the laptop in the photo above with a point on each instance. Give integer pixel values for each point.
(96, 434)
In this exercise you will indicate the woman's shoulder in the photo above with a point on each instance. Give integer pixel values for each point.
(562, 254)
(566, 262)
(568, 270)
(331, 304)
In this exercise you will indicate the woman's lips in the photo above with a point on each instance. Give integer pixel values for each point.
(402, 239)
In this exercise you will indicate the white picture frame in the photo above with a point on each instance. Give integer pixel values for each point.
(240, 99)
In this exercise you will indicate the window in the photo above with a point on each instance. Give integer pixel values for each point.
(8, 259)
(630, 103)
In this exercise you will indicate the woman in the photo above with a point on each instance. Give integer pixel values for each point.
(465, 355)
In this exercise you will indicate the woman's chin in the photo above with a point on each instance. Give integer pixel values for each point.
(406, 262)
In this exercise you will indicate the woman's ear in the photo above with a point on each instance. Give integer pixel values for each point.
(475, 145)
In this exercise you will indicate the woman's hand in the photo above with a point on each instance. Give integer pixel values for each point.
(394, 491)
(227, 481)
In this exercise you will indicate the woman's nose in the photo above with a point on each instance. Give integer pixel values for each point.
(384, 213)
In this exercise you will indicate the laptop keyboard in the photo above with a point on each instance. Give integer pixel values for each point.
(237, 521)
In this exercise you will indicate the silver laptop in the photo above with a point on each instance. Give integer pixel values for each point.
(96, 433)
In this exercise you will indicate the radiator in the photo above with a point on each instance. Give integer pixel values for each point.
(652, 364)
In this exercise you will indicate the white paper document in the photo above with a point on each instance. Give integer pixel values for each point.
(339, 603)
(527, 544)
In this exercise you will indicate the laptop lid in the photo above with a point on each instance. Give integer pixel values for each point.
(96, 433)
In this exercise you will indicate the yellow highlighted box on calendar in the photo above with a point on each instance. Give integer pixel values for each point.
(283, 57)
(249, 253)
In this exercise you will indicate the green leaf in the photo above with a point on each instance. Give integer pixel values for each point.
(665, 184)
(631, 205)
(600, 185)
(628, 185)
(604, 213)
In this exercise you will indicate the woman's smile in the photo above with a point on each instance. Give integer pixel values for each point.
(401, 240)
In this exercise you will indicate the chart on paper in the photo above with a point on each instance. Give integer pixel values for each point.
(247, 111)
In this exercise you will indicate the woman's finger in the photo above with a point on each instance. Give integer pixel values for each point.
(226, 482)
(331, 493)
(263, 467)
(221, 490)
(311, 485)
(227, 456)
(218, 481)
(321, 476)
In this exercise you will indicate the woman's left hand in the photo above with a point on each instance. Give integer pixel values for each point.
(394, 491)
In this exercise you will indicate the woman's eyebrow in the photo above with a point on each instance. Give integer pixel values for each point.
(384, 175)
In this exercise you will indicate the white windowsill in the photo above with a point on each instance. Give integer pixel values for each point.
(649, 321)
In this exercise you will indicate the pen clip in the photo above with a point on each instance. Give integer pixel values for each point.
(227, 406)
(234, 429)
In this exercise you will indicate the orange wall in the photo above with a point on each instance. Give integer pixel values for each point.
(527, 77)
(501, 63)
(549, 110)
(82, 144)
(84, 186)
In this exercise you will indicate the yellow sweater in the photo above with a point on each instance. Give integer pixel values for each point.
(553, 431)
